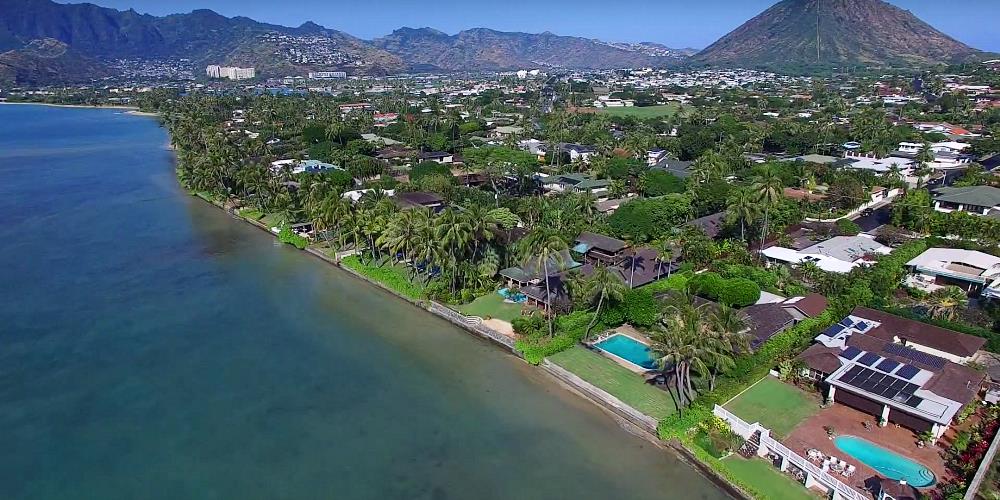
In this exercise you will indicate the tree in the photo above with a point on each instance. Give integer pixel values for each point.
(769, 189)
(743, 207)
(603, 285)
(945, 302)
(543, 246)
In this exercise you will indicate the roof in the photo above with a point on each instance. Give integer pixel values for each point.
(957, 260)
(811, 305)
(847, 248)
(531, 270)
(824, 262)
(711, 225)
(898, 490)
(821, 358)
(418, 199)
(980, 196)
(814, 158)
(643, 266)
(896, 327)
(766, 320)
(600, 242)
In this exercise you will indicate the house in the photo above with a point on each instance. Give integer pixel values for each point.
(675, 167)
(531, 271)
(899, 370)
(839, 254)
(396, 153)
(473, 179)
(418, 199)
(803, 307)
(504, 132)
(874, 164)
(385, 119)
(577, 152)
(766, 321)
(972, 271)
(346, 109)
(642, 266)
(576, 182)
(600, 249)
(711, 225)
(377, 139)
(437, 157)
(609, 206)
(977, 200)
(654, 156)
(303, 166)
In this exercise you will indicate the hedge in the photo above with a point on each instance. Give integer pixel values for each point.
(570, 329)
(389, 276)
(739, 292)
(286, 235)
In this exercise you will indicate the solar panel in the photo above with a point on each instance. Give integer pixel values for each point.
(846, 322)
(914, 401)
(880, 384)
(915, 355)
(861, 326)
(868, 359)
(907, 372)
(850, 353)
(887, 365)
(833, 331)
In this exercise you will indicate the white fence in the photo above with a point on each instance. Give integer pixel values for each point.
(768, 444)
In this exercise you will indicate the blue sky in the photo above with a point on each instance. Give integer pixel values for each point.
(676, 23)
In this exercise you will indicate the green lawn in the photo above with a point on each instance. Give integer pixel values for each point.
(766, 479)
(272, 220)
(644, 112)
(775, 404)
(616, 380)
(492, 306)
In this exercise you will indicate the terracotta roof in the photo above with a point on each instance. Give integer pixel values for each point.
(924, 334)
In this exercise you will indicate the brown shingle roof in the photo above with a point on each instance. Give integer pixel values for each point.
(601, 242)
(811, 305)
(821, 358)
(924, 334)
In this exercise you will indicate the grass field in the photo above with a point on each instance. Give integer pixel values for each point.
(616, 380)
(491, 306)
(645, 112)
(766, 479)
(775, 404)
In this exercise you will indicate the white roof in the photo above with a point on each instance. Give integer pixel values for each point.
(847, 248)
(940, 257)
(824, 262)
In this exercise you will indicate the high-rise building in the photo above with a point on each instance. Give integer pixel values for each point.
(230, 72)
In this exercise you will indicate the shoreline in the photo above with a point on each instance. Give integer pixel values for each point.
(627, 418)
(132, 110)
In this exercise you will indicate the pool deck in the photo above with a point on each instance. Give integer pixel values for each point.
(848, 421)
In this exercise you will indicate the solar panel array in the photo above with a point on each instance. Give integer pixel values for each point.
(869, 359)
(907, 372)
(886, 386)
(915, 355)
(887, 365)
(850, 353)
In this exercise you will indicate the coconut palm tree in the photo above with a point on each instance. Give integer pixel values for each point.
(602, 286)
(542, 247)
(742, 205)
(728, 329)
(768, 188)
(453, 231)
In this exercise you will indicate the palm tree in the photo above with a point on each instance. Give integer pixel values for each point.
(543, 246)
(729, 331)
(742, 206)
(664, 253)
(768, 188)
(603, 285)
(944, 302)
(453, 232)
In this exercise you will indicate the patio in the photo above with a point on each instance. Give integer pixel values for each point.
(847, 421)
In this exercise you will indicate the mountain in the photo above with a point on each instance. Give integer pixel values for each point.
(486, 49)
(48, 61)
(205, 37)
(834, 32)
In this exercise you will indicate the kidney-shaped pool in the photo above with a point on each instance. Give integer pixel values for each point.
(888, 463)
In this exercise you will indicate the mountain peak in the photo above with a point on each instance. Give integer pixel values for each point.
(830, 32)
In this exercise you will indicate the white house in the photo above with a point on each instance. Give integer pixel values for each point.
(970, 270)
(839, 254)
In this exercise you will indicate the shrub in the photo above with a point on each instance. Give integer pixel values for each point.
(739, 292)
(427, 168)
(708, 285)
(285, 235)
(569, 328)
(847, 227)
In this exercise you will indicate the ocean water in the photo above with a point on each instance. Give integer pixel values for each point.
(153, 347)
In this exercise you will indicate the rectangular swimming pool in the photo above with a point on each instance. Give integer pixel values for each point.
(629, 349)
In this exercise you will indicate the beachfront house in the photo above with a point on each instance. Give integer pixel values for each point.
(898, 370)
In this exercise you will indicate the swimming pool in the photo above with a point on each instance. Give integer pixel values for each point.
(889, 464)
(629, 349)
(516, 297)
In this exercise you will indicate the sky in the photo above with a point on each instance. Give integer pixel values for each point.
(675, 23)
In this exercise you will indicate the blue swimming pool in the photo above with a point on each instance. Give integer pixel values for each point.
(629, 349)
(889, 464)
(512, 296)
